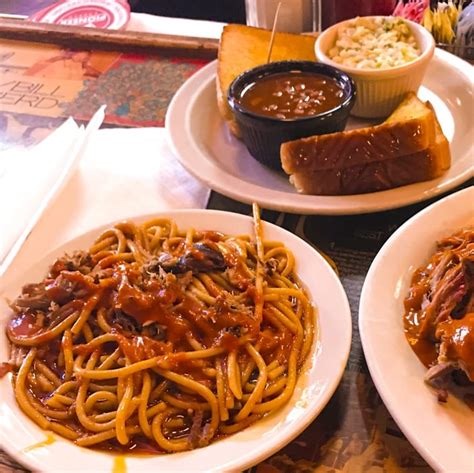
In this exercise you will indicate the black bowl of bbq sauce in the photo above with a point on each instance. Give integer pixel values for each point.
(288, 100)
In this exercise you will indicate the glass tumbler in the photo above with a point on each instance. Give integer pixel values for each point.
(295, 16)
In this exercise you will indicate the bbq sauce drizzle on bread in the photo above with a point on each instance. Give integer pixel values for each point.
(408, 147)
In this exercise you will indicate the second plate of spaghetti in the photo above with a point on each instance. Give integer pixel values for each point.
(202, 340)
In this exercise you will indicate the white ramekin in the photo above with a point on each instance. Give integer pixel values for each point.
(380, 91)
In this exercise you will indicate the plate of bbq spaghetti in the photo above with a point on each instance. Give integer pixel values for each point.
(416, 320)
(192, 340)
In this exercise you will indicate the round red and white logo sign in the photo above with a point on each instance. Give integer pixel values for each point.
(108, 14)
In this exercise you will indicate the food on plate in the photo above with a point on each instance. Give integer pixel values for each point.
(408, 147)
(384, 70)
(292, 94)
(243, 47)
(270, 110)
(374, 43)
(439, 313)
(410, 129)
(158, 339)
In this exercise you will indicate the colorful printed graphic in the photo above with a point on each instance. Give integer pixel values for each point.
(40, 81)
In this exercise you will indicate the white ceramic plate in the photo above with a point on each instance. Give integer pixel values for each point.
(202, 142)
(442, 434)
(318, 380)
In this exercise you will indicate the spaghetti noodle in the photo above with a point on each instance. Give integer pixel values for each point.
(160, 338)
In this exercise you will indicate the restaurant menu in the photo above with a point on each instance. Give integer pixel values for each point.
(41, 85)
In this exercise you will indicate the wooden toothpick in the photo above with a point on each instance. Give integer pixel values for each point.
(272, 37)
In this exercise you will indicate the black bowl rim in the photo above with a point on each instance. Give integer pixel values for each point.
(237, 107)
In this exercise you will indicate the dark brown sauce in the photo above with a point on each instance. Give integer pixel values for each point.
(140, 446)
(426, 323)
(459, 335)
(413, 320)
(291, 95)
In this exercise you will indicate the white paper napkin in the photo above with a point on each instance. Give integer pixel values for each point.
(26, 176)
(122, 173)
(30, 178)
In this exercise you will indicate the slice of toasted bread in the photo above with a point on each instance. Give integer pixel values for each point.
(410, 107)
(244, 47)
(442, 159)
(412, 130)
(381, 175)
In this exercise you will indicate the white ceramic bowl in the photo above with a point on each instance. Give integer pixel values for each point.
(322, 371)
(379, 91)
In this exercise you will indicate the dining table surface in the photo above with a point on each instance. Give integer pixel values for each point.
(355, 432)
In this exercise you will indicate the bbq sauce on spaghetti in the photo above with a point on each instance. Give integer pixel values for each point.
(128, 299)
(169, 305)
(49, 440)
(23, 325)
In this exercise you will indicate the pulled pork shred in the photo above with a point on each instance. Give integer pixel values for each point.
(441, 302)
